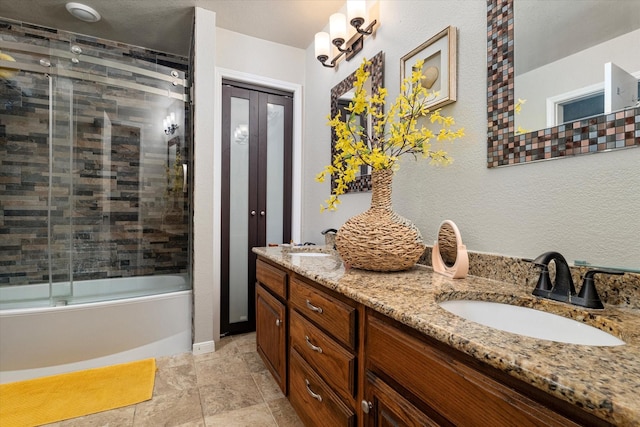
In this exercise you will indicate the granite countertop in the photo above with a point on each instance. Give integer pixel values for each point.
(602, 380)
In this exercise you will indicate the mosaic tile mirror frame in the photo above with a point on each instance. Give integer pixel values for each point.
(595, 134)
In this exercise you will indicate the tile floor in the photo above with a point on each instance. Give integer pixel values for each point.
(230, 388)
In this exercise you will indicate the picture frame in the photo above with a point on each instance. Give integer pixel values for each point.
(440, 59)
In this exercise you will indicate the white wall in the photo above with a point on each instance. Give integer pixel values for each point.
(206, 296)
(242, 53)
(585, 207)
(226, 54)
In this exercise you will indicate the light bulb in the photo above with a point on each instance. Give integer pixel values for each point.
(356, 10)
(338, 27)
(322, 45)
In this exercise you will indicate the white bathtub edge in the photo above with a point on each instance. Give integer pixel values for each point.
(167, 347)
(56, 340)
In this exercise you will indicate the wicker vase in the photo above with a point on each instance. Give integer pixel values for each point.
(379, 239)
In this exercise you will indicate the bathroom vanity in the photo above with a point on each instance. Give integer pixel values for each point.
(358, 348)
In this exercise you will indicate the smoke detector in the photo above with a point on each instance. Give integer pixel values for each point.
(83, 12)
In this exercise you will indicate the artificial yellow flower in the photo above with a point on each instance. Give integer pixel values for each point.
(393, 133)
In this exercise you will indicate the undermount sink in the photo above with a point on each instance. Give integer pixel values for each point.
(530, 322)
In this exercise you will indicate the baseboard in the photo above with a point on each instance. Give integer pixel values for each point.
(204, 347)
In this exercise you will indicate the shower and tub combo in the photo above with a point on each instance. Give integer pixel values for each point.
(94, 203)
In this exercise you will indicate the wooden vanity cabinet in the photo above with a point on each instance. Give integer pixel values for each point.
(342, 364)
(322, 343)
(271, 320)
(413, 379)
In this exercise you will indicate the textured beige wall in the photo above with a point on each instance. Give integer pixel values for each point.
(585, 207)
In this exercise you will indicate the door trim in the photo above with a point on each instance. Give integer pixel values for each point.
(296, 177)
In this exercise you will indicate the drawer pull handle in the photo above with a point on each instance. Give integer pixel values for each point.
(311, 346)
(311, 393)
(313, 307)
(278, 322)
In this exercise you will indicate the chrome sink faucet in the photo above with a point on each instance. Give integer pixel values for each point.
(563, 289)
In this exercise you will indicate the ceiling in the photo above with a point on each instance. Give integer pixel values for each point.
(545, 30)
(165, 25)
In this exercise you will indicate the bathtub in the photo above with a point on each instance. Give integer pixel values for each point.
(92, 323)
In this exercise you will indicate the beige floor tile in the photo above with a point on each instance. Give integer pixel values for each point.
(254, 362)
(283, 413)
(170, 380)
(245, 343)
(174, 361)
(212, 370)
(193, 424)
(172, 409)
(230, 393)
(255, 416)
(114, 418)
(268, 387)
(228, 388)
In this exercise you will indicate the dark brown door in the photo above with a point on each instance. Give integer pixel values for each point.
(256, 191)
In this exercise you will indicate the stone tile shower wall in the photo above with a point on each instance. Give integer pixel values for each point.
(114, 210)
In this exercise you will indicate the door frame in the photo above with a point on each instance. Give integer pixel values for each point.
(296, 173)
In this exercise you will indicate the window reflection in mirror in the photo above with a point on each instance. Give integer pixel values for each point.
(341, 95)
(560, 68)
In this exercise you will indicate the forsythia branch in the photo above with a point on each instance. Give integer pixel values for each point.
(394, 133)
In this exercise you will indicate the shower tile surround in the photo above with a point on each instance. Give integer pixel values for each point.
(124, 221)
(615, 130)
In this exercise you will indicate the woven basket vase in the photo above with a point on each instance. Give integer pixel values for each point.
(379, 239)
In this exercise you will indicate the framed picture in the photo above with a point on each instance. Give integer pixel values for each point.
(439, 69)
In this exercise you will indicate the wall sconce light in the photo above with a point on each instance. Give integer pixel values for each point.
(356, 10)
(169, 124)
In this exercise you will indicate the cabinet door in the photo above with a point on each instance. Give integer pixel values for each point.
(384, 407)
(271, 335)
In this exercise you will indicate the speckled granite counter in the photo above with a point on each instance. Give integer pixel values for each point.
(602, 380)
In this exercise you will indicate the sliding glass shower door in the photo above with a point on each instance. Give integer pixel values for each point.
(94, 182)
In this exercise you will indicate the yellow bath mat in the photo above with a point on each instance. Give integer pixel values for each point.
(60, 397)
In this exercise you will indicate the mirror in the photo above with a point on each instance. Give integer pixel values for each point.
(341, 95)
(505, 146)
(545, 67)
(449, 256)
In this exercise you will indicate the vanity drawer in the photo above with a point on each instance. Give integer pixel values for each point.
(329, 359)
(313, 399)
(272, 278)
(331, 314)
